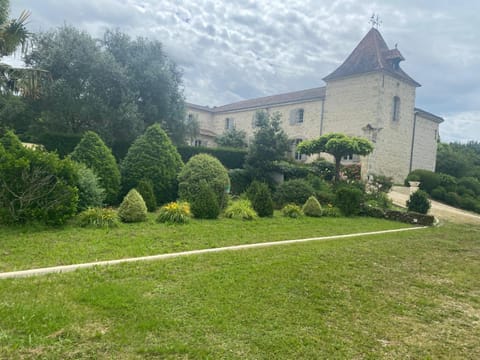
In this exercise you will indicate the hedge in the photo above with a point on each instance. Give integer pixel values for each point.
(230, 158)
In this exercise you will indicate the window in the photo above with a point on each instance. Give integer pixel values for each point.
(296, 154)
(348, 157)
(296, 116)
(396, 108)
(197, 143)
(229, 123)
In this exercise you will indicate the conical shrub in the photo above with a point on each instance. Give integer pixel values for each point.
(145, 188)
(205, 204)
(132, 208)
(312, 207)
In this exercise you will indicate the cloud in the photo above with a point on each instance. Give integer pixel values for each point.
(247, 48)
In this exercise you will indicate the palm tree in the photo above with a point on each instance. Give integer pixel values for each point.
(14, 35)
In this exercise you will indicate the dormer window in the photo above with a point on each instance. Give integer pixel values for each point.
(396, 108)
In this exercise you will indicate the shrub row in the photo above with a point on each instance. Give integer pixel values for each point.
(230, 158)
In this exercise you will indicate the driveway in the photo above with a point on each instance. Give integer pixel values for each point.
(400, 195)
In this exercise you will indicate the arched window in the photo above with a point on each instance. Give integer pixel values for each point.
(396, 108)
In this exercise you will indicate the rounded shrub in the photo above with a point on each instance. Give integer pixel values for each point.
(312, 207)
(349, 200)
(98, 217)
(240, 180)
(174, 213)
(240, 209)
(153, 157)
(439, 193)
(93, 152)
(132, 208)
(293, 192)
(145, 188)
(470, 183)
(331, 211)
(428, 179)
(261, 197)
(418, 202)
(452, 198)
(90, 193)
(205, 204)
(203, 167)
(292, 211)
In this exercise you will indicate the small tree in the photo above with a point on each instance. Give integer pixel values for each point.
(93, 152)
(145, 188)
(153, 157)
(261, 197)
(338, 145)
(90, 193)
(203, 167)
(205, 204)
(269, 145)
(418, 202)
(132, 208)
(232, 138)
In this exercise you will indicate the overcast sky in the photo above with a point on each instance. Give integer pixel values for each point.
(240, 49)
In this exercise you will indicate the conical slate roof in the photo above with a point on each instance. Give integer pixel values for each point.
(372, 54)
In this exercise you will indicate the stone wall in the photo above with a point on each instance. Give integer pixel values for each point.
(425, 145)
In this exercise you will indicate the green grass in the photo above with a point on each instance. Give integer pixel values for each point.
(396, 296)
(28, 247)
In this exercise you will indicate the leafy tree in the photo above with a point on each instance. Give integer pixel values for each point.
(35, 185)
(93, 152)
(203, 167)
(418, 202)
(89, 90)
(459, 160)
(153, 157)
(155, 80)
(270, 144)
(232, 138)
(338, 145)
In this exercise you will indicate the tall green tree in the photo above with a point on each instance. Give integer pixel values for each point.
(93, 152)
(154, 78)
(89, 90)
(153, 157)
(270, 144)
(337, 145)
(232, 138)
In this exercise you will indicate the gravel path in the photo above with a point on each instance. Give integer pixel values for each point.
(400, 195)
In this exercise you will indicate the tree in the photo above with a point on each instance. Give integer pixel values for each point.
(93, 152)
(203, 167)
(89, 89)
(232, 138)
(270, 144)
(35, 185)
(154, 78)
(153, 157)
(338, 145)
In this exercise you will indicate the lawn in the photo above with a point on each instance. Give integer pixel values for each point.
(28, 247)
(396, 296)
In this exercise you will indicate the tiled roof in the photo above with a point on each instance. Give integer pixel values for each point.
(429, 115)
(372, 54)
(280, 99)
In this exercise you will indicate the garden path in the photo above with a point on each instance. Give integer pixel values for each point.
(400, 195)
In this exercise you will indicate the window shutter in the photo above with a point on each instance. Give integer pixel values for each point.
(292, 117)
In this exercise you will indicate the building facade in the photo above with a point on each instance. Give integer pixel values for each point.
(369, 95)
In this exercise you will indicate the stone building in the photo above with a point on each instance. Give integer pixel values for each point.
(369, 95)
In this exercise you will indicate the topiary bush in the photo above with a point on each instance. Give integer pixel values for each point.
(293, 192)
(312, 207)
(203, 167)
(428, 179)
(418, 202)
(153, 157)
(439, 193)
(132, 208)
(93, 152)
(349, 200)
(205, 204)
(240, 209)
(145, 188)
(98, 217)
(90, 193)
(175, 213)
(261, 197)
(35, 185)
(292, 211)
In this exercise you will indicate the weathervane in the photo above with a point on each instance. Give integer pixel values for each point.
(375, 21)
